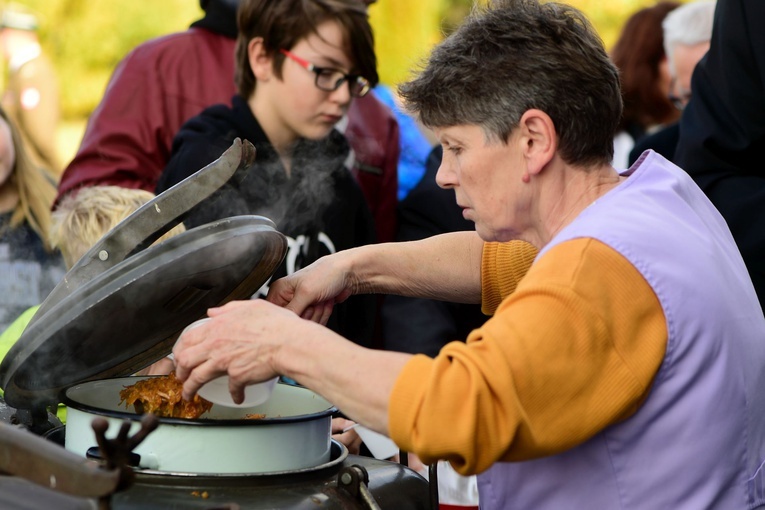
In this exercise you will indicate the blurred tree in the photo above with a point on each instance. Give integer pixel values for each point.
(609, 17)
(453, 12)
(86, 40)
(405, 31)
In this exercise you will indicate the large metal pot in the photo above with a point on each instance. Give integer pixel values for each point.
(295, 433)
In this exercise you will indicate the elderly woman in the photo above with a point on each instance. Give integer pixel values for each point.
(623, 364)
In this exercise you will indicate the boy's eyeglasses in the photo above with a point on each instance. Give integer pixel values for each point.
(329, 79)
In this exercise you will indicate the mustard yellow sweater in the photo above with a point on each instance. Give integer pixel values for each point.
(573, 347)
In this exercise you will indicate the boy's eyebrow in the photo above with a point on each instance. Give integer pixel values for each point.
(329, 60)
(332, 61)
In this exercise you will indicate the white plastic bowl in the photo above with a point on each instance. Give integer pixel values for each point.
(216, 391)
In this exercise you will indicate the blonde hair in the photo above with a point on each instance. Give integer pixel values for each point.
(85, 216)
(36, 188)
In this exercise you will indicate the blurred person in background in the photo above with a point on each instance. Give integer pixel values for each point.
(31, 95)
(415, 145)
(81, 220)
(687, 31)
(29, 267)
(164, 82)
(153, 90)
(645, 79)
(722, 130)
(300, 65)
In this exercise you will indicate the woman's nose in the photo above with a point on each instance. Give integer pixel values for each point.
(445, 177)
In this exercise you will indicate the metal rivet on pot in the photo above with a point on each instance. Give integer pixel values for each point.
(103, 254)
(346, 478)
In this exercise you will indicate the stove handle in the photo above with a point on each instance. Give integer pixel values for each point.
(47, 464)
(152, 220)
(354, 479)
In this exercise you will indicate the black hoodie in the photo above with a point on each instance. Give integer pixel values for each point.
(320, 207)
(220, 17)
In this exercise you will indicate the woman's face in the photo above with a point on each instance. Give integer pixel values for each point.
(485, 176)
(294, 107)
(7, 152)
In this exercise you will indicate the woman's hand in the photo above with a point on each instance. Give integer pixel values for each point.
(342, 432)
(241, 340)
(313, 291)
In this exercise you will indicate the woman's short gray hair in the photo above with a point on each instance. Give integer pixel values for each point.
(515, 55)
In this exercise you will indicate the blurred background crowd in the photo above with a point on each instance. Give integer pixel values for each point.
(59, 56)
(85, 40)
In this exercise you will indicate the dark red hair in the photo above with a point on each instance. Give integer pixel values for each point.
(638, 55)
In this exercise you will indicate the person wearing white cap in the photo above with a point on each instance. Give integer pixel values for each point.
(31, 95)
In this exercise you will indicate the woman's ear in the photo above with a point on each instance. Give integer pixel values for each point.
(260, 62)
(539, 140)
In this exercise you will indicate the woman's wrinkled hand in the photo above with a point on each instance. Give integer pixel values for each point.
(313, 291)
(240, 340)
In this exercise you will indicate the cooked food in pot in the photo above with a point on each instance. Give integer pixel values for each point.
(162, 397)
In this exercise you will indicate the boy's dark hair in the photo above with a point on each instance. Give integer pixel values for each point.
(283, 23)
(516, 55)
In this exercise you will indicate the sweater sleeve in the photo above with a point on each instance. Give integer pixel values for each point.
(515, 259)
(571, 351)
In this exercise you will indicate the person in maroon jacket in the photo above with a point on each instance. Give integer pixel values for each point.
(166, 81)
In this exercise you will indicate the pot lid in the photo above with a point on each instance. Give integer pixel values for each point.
(122, 306)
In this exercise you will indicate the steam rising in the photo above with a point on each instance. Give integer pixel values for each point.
(300, 205)
(296, 203)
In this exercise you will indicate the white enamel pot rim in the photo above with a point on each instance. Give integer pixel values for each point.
(294, 435)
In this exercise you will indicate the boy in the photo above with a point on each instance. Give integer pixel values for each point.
(299, 65)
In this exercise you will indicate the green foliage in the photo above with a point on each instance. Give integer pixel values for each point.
(405, 30)
(609, 17)
(87, 38)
